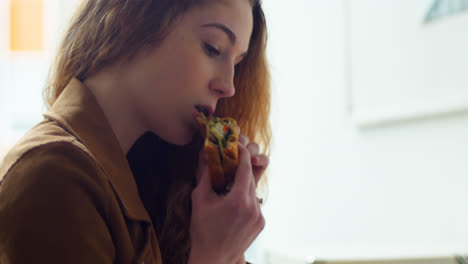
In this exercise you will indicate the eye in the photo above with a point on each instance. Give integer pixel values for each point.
(211, 51)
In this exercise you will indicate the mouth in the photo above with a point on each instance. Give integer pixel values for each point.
(204, 109)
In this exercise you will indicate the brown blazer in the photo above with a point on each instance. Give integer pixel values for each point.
(68, 195)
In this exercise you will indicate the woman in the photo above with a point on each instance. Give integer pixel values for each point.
(128, 69)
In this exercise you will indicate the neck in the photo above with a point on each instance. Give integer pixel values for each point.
(109, 90)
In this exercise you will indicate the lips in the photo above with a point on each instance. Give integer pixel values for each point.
(205, 109)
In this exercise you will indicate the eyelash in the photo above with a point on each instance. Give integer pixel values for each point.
(211, 51)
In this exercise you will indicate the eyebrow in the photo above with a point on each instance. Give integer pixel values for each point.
(232, 37)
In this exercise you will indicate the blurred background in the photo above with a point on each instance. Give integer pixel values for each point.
(370, 122)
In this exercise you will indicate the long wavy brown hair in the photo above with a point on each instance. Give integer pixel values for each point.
(105, 32)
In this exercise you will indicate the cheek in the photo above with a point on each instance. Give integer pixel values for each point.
(177, 73)
(189, 73)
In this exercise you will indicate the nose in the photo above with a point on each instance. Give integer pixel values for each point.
(223, 86)
(222, 89)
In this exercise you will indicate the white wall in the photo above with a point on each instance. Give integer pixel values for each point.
(23, 74)
(340, 190)
(402, 67)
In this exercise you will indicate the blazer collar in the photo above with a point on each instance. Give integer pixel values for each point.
(78, 111)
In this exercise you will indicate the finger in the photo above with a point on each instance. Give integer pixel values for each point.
(253, 188)
(259, 166)
(258, 173)
(253, 149)
(260, 223)
(260, 160)
(244, 171)
(243, 140)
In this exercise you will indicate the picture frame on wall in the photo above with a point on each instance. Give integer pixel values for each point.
(401, 68)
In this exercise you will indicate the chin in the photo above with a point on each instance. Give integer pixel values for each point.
(180, 139)
(179, 135)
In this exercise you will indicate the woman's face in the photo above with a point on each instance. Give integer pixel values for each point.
(193, 65)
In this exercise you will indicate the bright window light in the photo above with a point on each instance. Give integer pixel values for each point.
(26, 25)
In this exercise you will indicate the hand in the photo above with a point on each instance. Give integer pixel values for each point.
(223, 227)
(259, 161)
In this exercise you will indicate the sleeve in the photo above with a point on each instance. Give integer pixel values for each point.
(53, 209)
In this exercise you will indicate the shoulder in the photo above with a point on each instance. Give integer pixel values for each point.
(48, 159)
(46, 147)
(54, 167)
(54, 202)
(49, 171)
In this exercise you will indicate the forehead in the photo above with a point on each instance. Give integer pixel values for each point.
(235, 14)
